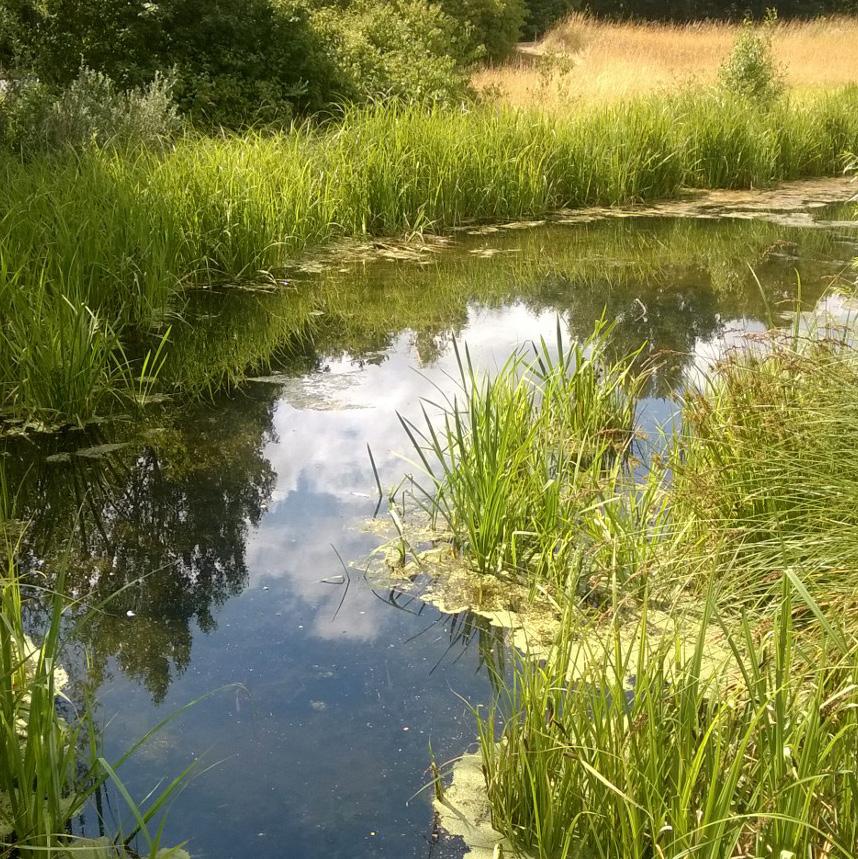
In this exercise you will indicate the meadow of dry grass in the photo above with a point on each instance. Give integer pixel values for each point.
(584, 59)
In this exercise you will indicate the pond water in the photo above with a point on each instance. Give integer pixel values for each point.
(223, 522)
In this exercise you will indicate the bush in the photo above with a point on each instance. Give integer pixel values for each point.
(494, 26)
(541, 14)
(90, 110)
(751, 71)
(409, 50)
(235, 61)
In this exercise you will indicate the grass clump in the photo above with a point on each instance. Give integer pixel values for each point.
(763, 469)
(516, 460)
(617, 748)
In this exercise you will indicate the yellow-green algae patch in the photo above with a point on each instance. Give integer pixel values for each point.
(618, 637)
(464, 810)
(534, 620)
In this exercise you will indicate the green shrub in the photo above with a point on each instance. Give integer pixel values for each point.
(409, 50)
(751, 70)
(494, 25)
(10, 39)
(89, 110)
(235, 61)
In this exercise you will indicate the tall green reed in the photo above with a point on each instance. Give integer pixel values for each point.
(670, 748)
(513, 459)
(763, 468)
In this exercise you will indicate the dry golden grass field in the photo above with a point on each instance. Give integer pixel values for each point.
(584, 59)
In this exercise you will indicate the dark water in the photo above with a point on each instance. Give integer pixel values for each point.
(224, 518)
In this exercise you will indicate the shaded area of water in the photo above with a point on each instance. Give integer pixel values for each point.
(221, 520)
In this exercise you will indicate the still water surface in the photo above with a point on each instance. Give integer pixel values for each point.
(227, 516)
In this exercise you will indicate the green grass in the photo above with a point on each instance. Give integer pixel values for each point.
(613, 750)
(516, 458)
(735, 733)
(764, 470)
(120, 236)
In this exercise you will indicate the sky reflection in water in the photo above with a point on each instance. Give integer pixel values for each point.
(325, 742)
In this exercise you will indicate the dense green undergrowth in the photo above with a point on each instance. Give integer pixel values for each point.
(97, 247)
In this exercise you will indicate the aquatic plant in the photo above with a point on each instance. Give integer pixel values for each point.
(707, 707)
(673, 746)
(514, 459)
(61, 361)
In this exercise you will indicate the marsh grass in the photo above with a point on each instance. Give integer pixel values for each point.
(51, 766)
(515, 458)
(118, 236)
(637, 751)
(763, 468)
(735, 734)
(62, 362)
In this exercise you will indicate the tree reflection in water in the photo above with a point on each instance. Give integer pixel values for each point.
(157, 527)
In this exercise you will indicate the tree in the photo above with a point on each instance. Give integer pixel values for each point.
(234, 60)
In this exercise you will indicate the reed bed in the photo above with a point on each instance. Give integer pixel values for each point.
(699, 697)
(99, 246)
(634, 749)
(763, 470)
(516, 460)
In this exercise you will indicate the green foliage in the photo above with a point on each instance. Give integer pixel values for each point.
(407, 50)
(517, 458)
(90, 110)
(540, 15)
(493, 26)
(673, 745)
(235, 61)
(751, 70)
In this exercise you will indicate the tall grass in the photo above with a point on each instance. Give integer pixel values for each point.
(764, 471)
(735, 733)
(585, 58)
(516, 460)
(633, 749)
(122, 234)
